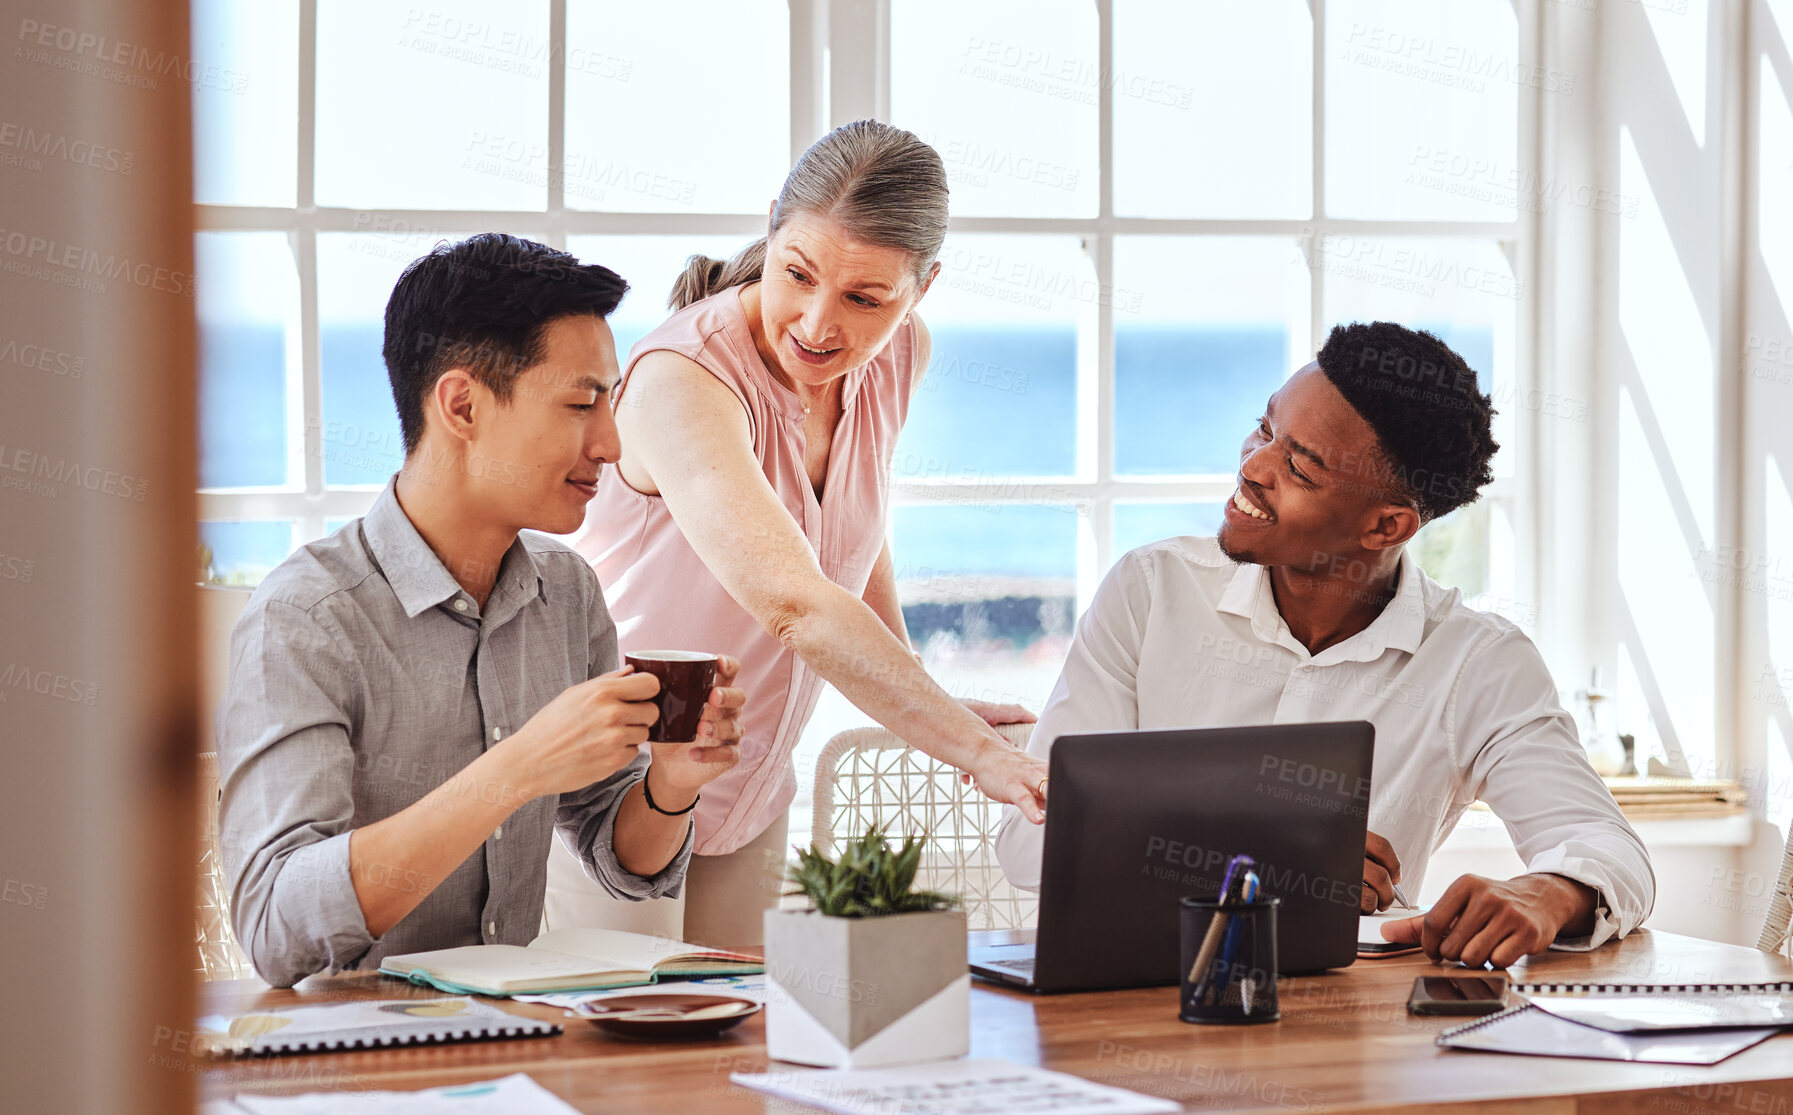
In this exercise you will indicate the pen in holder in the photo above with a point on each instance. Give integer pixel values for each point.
(1229, 952)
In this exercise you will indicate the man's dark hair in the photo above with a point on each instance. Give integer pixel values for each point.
(1432, 422)
(483, 304)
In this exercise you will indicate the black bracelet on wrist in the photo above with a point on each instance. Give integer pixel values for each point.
(649, 796)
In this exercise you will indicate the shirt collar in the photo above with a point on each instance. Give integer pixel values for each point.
(520, 580)
(1400, 626)
(418, 577)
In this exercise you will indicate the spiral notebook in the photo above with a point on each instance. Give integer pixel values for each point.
(1637, 1008)
(1528, 1030)
(362, 1025)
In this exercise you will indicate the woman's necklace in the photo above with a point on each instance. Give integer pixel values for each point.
(829, 386)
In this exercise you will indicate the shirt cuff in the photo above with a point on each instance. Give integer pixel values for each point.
(1615, 913)
(1020, 848)
(322, 924)
(608, 872)
(1589, 874)
(1605, 929)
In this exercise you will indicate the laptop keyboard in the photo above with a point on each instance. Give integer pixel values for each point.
(1023, 967)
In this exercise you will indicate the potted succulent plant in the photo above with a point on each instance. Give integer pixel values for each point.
(874, 972)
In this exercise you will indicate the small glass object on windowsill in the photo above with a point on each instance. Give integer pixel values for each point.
(1606, 752)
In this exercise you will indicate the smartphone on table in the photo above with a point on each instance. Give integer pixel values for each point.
(1482, 993)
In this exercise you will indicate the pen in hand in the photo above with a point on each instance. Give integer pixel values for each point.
(1401, 899)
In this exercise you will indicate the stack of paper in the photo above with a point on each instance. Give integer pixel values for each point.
(952, 1088)
(1644, 797)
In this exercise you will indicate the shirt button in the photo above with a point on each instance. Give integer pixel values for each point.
(491, 929)
(460, 605)
(497, 733)
(498, 833)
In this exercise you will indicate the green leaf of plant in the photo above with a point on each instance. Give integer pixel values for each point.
(869, 879)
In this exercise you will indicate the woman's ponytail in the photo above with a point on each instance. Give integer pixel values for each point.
(704, 276)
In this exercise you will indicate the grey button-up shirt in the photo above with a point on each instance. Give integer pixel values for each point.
(361, 678)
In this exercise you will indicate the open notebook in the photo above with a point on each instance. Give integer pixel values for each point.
(567, 960)
(1526, 1029)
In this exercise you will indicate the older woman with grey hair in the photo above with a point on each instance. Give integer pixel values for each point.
(747, 513)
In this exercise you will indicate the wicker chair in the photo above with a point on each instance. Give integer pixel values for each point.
(219, 955)
(867, 776)
(1775, 927)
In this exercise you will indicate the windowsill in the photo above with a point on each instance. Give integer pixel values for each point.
(1480, 830)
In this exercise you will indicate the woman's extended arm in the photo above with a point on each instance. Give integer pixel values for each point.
(686, 437)
(881, 596)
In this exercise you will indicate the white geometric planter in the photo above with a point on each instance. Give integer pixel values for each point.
(866, 992)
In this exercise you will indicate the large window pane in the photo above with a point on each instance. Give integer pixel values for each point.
(245, 102)
(1000, 394)
(1453, 550)
(356, 273)
(988, 597)
(242, 553)
(677, 107)
(1422, 109)
(248, 307)
(443, 106)
(1462, 290)
(1177, 151)
(650, 264)
(988, 593)
(1138, 524)
(1007, 92)
(1220, 323)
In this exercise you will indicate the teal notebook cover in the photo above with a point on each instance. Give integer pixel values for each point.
(424, 979)
(566, 960)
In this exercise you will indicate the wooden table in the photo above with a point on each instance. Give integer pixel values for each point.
(1345, 1043)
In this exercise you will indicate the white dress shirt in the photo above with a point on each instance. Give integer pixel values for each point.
(1179, 636)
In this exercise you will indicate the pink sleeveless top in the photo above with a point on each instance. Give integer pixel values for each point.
(662, 596)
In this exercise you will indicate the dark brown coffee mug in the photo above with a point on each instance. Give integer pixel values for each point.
(686, 678)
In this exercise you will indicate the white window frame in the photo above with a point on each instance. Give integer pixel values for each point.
(840, 55)
(1096, 492)
(312, 503)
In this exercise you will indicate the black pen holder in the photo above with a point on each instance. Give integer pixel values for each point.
(1229, 961)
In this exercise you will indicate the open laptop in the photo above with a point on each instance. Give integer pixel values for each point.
(1138, 820)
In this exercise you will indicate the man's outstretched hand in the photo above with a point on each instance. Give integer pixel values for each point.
(1482, 921)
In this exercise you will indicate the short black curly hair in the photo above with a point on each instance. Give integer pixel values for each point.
(1434, 425)
(485, 304)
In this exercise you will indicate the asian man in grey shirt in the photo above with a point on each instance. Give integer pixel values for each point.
(419, 701)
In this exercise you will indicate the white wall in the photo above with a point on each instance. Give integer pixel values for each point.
(1763, 683)
(1668, 528)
